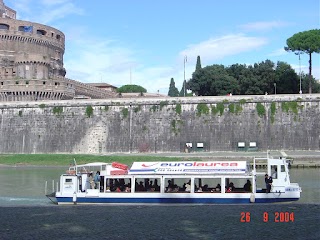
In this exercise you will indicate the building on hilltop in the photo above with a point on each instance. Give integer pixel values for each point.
(31, 63)
(104, 86)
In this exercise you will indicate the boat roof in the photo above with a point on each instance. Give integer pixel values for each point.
(93, 164)
(189, 167)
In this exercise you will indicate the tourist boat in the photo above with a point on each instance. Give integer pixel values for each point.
(189, 182)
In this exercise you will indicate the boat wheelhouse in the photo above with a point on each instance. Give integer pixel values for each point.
(189, 182)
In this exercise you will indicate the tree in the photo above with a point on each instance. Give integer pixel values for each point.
(307, 42)
(286, 79)
(244, 77)
(265, 76)
(212, 81)
(131, 89)
(183, 91)
(198, 65)
(173, 91)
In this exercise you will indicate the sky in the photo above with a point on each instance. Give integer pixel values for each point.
(149, 42)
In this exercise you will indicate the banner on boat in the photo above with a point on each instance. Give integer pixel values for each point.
(197, 167)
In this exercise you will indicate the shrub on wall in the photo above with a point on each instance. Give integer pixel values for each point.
(260, 109)
(163, 103)
(202, 108)
(178, 108)
(125, 112)
(154, 108)
(89, 111)
(137, 109)
(218, 109)
(57, 110)
(293, 106)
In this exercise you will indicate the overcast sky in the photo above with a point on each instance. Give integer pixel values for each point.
(145, 42)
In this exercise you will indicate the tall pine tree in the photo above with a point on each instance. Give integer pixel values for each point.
(198, 65)
(173, 91)
(183, 91)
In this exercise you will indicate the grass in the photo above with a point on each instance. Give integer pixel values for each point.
(67, 159)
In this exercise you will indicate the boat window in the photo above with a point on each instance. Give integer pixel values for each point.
(238, 185)
(283, 169)
(147, 184)
(207, 185)
(274, 171)
(68, 180)
(177, 185)
(118, 185)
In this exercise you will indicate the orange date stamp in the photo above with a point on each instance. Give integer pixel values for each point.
(245, 217)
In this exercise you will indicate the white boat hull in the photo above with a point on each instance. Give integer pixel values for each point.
(183, 198)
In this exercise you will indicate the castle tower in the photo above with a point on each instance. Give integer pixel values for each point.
(2, 8)
(31, 62)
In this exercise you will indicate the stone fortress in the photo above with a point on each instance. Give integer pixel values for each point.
(31, 63)
(31, 68)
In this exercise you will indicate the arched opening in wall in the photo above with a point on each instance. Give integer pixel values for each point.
(41, 32)
(58, 37)
(4, 26)
(25, 29)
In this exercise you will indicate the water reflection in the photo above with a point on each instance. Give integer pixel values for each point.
(26, 185)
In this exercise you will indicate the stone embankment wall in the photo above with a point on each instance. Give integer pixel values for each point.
(161, 124)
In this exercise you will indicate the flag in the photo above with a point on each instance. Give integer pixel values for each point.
(28, 29)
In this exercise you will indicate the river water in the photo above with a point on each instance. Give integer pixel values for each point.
(25, 213)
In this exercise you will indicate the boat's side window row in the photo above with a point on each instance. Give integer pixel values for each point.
(207, 185)
(238, 185)
(147, 184)
(118, 185)
(178, 185)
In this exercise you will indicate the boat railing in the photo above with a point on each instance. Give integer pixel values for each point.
(53, 187)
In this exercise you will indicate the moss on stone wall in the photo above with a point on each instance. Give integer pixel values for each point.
(293, 106)
(219, 108)
(137, 109)
(125, 112)
(57, 110)
(162, 104)
(273, 110)
(178, 108)
(261, 110)
(202, 108)
(89, 111)
(42, 105)
(235, 108)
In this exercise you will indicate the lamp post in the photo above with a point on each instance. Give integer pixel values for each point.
(275, 88)
(300, 72)
(184, 75)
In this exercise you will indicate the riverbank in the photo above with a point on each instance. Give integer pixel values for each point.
(298, 158)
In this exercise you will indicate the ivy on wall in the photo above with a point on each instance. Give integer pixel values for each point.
(89, 111)
(261, 110)
(202, 108)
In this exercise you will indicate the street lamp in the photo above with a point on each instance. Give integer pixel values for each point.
(300, 72)
(184, 75)
(299, 53)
